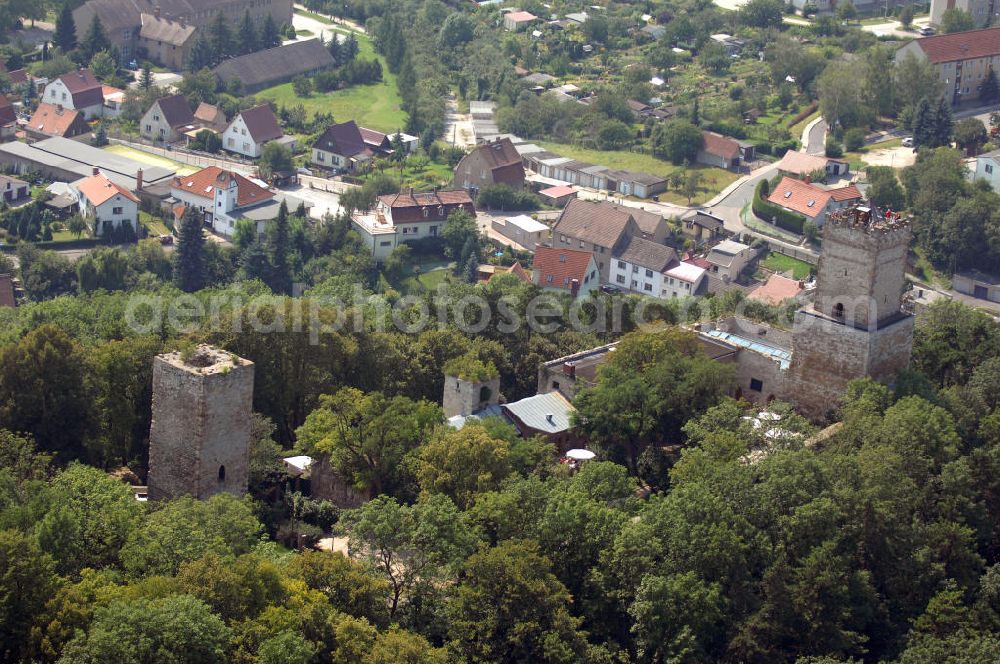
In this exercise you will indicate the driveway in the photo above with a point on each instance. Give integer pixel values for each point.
(324, 202)
(458, 129)
(816, 138)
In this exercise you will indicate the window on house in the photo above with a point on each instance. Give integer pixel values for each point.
(149, 128)
(156, 118)
(231, 143)
(635, 269)
(649, 273)
(621, 265)
(320, 156)
(989, 168)
(549, 279)
(425, 212)
(385, 243)
(647, 287)
(757, 385)
(116, 210)
(620, 278)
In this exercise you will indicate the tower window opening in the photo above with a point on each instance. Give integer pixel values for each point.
(222, 473)
(838, 310)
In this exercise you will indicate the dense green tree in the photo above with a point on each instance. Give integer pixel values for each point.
(457, 29)
(95, 40)
(221, 37)
(970, 135)
(676, 617)
(185, 529)
(177, 629)
(411, 547)
(842, 102)
(956, 20)
(951, 340)
(509, 607)
(458, 231)
(269, 34)
(65, 35)
(200, 56)
(247, 34)
(92, 516)
(368, 435)
(990, 91)
(189, 259)
(348, 585)
(906, 17)
(762, 13)
(278, 252)
(42, 391)
(679, 141)
(916, 79)
(27, 580)
(462, 464)
(234, 589)
(884, 188)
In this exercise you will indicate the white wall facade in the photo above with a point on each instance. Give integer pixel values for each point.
(56, 93)
(636, 278)
(237, 139)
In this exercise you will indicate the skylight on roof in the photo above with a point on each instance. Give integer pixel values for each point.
(810, 203)
(788, 194)
(208, 188)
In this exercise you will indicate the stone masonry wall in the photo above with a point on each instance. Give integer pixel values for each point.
(199, 441)
(461, 397)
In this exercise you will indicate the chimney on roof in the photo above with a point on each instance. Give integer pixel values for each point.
(550, 418)
(808, 179)
(138, 180)
(411, 192)
(59, 109)
(569, 369)
(183, 20)
(156, 11)
(96, 171)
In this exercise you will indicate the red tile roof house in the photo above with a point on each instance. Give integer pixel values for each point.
(50, 120)
(961, 60)
(515, 21)
(812, 202)
(222, 197)
(107, 205)
(563, 270)
(167, 119)
(496, 162)
(776, 290)
(79, 90)
(723, 152)
(407, 217)
(8, 119)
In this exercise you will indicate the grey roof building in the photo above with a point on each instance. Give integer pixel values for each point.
(276, 65)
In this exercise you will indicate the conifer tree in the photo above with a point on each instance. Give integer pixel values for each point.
(281, 276)
(269, 35)
(65, 36)
(924, 124)
(189, 259)
(221, 38)
(95, 40)
(990, 91)
(248, 35)
(944, 123)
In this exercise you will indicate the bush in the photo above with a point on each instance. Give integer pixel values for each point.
(503, 197)
(833, 148)
(854, 139)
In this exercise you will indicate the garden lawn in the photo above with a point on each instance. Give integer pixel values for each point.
(154, 225)
(713, 180)
(434, 270)
(152, 159)
(781, 263)
(376, 106)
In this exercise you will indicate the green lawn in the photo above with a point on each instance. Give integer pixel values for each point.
(304, 33)
(781, 263)
(713, 180)
(154, 225)
(375, 106)
(433, 271)
(419, 172)
(152, 159)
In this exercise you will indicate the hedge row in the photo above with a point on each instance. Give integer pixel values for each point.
(768, 211)
(805, 113)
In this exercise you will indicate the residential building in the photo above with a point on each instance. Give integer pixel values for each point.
(988, 168)
(776, 289)
(528, 233)
(812, 202)
(564, 270)
(639, 264)
(682, 279)
(407, 217)
(728, 259)
(570, 171)
(485, 272)
(724, 152)
(277, 65)
(54, 120)
(653, 32)
(222, 197)
(652, 225)
(596, 226)
(8, 295)
(342, 147)
(13, 191)
(114, 99)
(547, 415)
(210, 117)
(977, 284)
(106, 205)
(167, 119)
(802, 165)
(961, 60)
(164, 40)
(704, 227)
(123, 19)
(517, 21)
(250, 130)
(558, 195)
(984, 12)
(78, 90)
(493, 163)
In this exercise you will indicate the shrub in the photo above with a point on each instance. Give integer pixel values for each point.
(854, 139)
(833, 148)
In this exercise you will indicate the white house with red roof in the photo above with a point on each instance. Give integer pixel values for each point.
(407, 217)
(517, 21)
(79, 90)
(811, 201)
(565, 270)
(222, 197)
(106, 205)
(250, 130)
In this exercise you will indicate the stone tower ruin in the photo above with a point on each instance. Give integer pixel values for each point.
(856, 326)
(469, 386)
(199, 441)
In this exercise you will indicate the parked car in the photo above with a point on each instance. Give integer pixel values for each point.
(908, 142)
(607, 288)
(926, 31)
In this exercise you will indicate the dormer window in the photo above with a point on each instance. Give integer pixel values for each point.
(426, 212)
(440, 210)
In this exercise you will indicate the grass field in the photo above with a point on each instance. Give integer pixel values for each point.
(152, 159)
(375, 106)
(781, 263)
(713, 180)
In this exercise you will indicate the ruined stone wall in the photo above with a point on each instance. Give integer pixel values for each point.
(199, 441)
(751, 365)
(463, 397)
(890, 350)
(327, 484)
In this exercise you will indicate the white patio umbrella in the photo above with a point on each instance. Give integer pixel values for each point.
(582, 455)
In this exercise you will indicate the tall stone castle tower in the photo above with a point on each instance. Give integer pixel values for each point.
(855, 326)
(199, 441)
